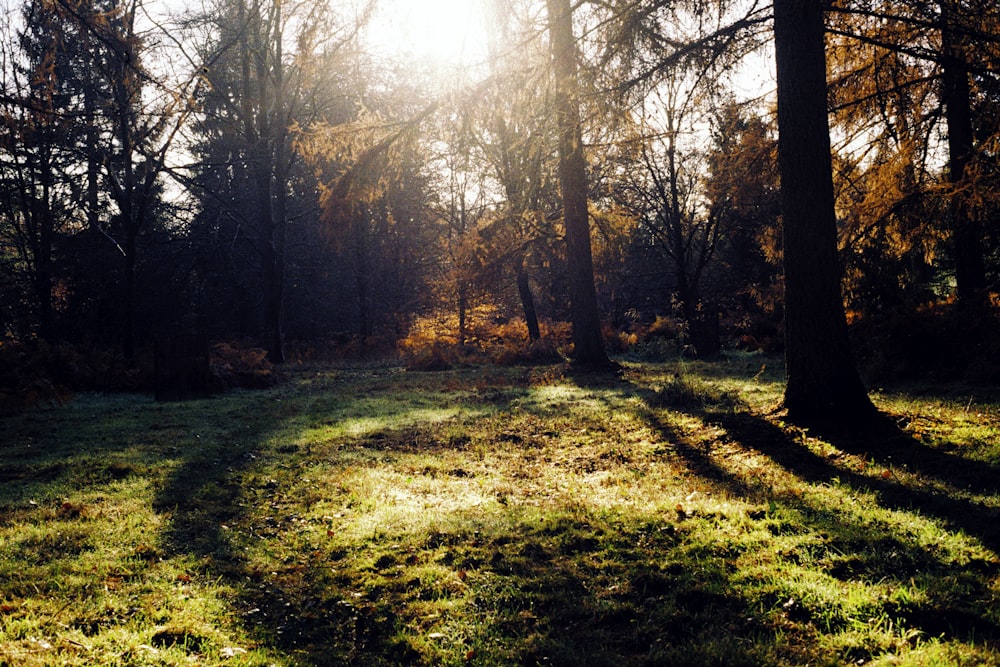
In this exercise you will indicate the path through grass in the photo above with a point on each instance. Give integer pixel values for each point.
(499, 517)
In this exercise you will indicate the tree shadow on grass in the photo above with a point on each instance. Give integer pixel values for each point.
(219, 506)
(853, 550)
(582, 590)
(880, 554)
(891, 446)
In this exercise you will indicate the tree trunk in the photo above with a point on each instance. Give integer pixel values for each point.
(125, 197)
(588, 344)
(823, 384)
(970, 273)
(128, 316)
(43, 256)
(463, 307)
(362, 282)
(527, 302)
(270, 237)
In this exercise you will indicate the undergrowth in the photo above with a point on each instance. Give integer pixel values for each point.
(499, 516)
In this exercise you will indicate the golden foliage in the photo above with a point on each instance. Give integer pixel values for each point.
(437, 340)
(355, 163)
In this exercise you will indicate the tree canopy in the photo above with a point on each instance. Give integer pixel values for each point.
(594, 178)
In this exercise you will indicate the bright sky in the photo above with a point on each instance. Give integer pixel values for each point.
(443, 34)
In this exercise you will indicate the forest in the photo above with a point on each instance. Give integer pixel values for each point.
(587, 180)
(499, 332)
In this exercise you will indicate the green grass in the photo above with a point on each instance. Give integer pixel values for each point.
(500, 517)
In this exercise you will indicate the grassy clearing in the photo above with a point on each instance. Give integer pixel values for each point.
(499, 517)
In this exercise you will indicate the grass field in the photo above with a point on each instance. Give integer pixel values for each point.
(486, 516)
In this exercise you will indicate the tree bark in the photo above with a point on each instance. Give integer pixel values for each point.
(45, 222)
(527, 301)
(271, 235)
(588, 344)
(970, 272)
(822, 382)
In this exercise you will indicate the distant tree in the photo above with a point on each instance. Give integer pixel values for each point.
(144, 117)
(36, 159)
(822, 381)
(274, 69)
(956, 95)
(679, 53)
(742, 194)
(515, 139)
(375, 205)
(892, 230)
(664, 187)
(459, 206)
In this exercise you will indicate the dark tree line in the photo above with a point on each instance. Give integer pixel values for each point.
(251, 172)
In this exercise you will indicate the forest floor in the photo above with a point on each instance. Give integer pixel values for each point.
(501, 516)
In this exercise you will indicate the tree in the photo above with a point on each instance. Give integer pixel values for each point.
(822, 381)
(140, 138)
(273, 69)
(907, 72)
(35, 165)
(970, 273)
(742, 193)
(588, 344)
(664, 188)
(884, 100)
(515, 139)
(56, 113)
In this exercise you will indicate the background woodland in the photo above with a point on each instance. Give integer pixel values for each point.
(251, 178)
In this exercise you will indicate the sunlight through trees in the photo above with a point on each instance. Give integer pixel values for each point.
(324, 179)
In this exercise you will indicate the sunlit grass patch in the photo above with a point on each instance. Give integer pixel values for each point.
(959, 421)
(495, 517)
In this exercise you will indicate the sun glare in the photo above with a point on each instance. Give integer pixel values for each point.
(438, 34)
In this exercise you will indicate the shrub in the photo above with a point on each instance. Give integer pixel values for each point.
(36, 372)
(541, 352)
(433, 341)
(235, 365)
(342, 346)
(428, 359)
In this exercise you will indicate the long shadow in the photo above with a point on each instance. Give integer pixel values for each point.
(662, 613)
(880, 555)
(539, 589)
(303, 610)
(893, 557)
(207, 445)
(213, 500)
(890, 446)
(882, 441)
(885, 442)
(297, 607)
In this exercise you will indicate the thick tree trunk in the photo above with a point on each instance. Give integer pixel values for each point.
(588, 344)
(822, 381)
(970, 273)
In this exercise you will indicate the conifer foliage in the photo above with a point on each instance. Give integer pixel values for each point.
(605, 177)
